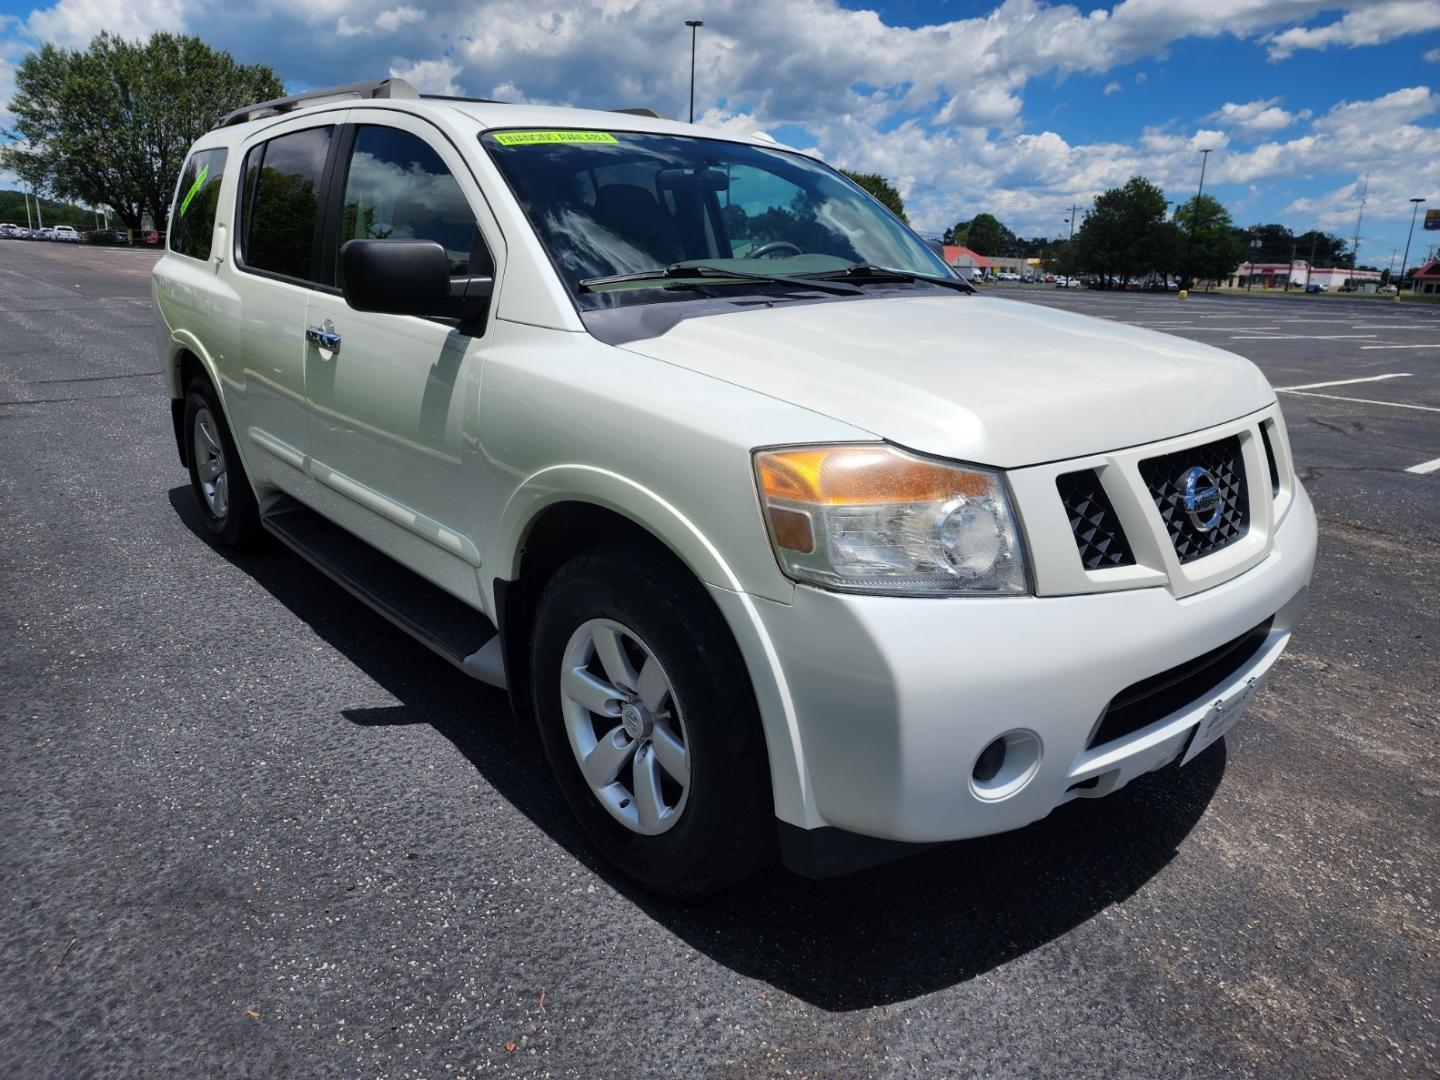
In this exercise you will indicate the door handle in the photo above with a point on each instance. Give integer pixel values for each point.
(324, 336)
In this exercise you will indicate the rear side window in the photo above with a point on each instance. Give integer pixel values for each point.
(281, 201)
(192, 219)
(397, 188)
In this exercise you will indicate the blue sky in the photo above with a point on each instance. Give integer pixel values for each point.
(1019, 109)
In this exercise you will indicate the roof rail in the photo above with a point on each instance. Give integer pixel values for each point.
(381, 88)
(462, 97)
(641, 112)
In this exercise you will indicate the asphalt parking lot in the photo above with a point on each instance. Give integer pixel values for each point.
(247, 829)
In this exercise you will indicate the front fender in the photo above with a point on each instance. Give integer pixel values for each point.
(584, 483)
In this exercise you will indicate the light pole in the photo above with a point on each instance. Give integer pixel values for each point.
(1250, 268)
(694, 25)
(1408, 235)
(1195, 217)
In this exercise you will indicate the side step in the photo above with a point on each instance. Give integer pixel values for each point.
(429, 614)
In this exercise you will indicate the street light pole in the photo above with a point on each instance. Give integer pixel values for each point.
(1408, 235)
(694, 25)
(1195, 217)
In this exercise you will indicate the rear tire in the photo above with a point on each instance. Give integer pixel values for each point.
(217, 477)
(686, 730)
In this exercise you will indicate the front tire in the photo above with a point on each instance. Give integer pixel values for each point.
(217, 478)
(649, 722)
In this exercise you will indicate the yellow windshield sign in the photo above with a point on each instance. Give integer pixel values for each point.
(195, 188)
(534, 138)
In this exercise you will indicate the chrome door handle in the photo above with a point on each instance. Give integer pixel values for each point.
(324, 336)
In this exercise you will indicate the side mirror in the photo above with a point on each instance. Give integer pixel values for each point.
(397, 277)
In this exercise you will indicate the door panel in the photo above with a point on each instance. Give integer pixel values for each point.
(282, 180)
(390, 405)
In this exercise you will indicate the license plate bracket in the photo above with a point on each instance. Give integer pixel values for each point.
(1220, 717)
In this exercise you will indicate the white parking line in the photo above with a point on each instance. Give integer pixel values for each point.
(1362, 401)
(1297, 337)
(1425, 467)
(1432, 346)
(1346, 382)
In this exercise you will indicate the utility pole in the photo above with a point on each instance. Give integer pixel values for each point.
(39, 217)
(1291, 272)
(1314, 236)
(1071, 220)
(1250, 266)
(1195, 218)
(1355, 244)
(694, 25)
(1411, 233)
(29, 221)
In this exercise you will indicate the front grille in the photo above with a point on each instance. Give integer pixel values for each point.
(1165, 477)
(1155, 698)
(1098, 536)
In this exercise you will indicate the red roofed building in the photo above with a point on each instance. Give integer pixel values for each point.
(1426, 279)
(964, 261)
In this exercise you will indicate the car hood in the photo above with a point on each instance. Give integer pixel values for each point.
(996, 382)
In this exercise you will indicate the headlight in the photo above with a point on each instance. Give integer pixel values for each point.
(875, 519)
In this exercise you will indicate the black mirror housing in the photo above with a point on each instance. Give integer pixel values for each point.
(397, 277)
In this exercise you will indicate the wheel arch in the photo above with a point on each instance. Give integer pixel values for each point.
(546, 523)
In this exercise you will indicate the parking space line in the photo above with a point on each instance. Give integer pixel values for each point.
(1346, 382)
(1431, 346)
(1362, 401)
(1296, 337)
(1425, 467)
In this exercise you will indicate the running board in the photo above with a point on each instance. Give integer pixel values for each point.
(439, 621)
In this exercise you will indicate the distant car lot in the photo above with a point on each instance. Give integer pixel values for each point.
(270, 835)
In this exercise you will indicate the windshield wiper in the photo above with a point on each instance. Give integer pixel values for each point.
(714, 273)
(864, 272)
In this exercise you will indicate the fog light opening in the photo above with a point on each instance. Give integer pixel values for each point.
(990, 761)
(1006, 765)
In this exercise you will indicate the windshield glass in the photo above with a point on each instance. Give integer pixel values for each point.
(616, 203)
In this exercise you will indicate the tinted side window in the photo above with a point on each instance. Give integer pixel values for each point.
(192, 218)
(282, 200)
(397, 188)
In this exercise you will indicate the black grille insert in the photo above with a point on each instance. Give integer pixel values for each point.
(1155, 698)
(1270, 460)
(1098, 536)
(1165, 477)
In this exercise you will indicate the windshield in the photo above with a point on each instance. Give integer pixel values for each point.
(617, 203)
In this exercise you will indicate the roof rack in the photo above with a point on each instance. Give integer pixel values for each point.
(461, 97)
(641, 112)
(382, 88)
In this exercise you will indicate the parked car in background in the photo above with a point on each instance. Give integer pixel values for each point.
(66, 234)
(1315, 288)
(1067, 283)
(8, 231)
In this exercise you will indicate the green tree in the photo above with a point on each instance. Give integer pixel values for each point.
(1125, 234)
(986, 235)
(1329, 249)
(1275, 241)
(882, 189)
(959, 233)
(1212, 248)
(111, 125)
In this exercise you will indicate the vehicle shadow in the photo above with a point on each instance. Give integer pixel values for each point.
(882, 936)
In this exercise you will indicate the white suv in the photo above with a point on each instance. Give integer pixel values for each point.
(787, 539)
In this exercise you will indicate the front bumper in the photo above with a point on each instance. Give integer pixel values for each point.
(893, 699)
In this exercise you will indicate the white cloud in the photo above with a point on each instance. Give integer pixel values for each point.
(1254, 117)
(387, 22)
(1112, 87)
(1372, 24)
(428, 76)
(72, 23)
(1431, 56)
(1141, 77)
